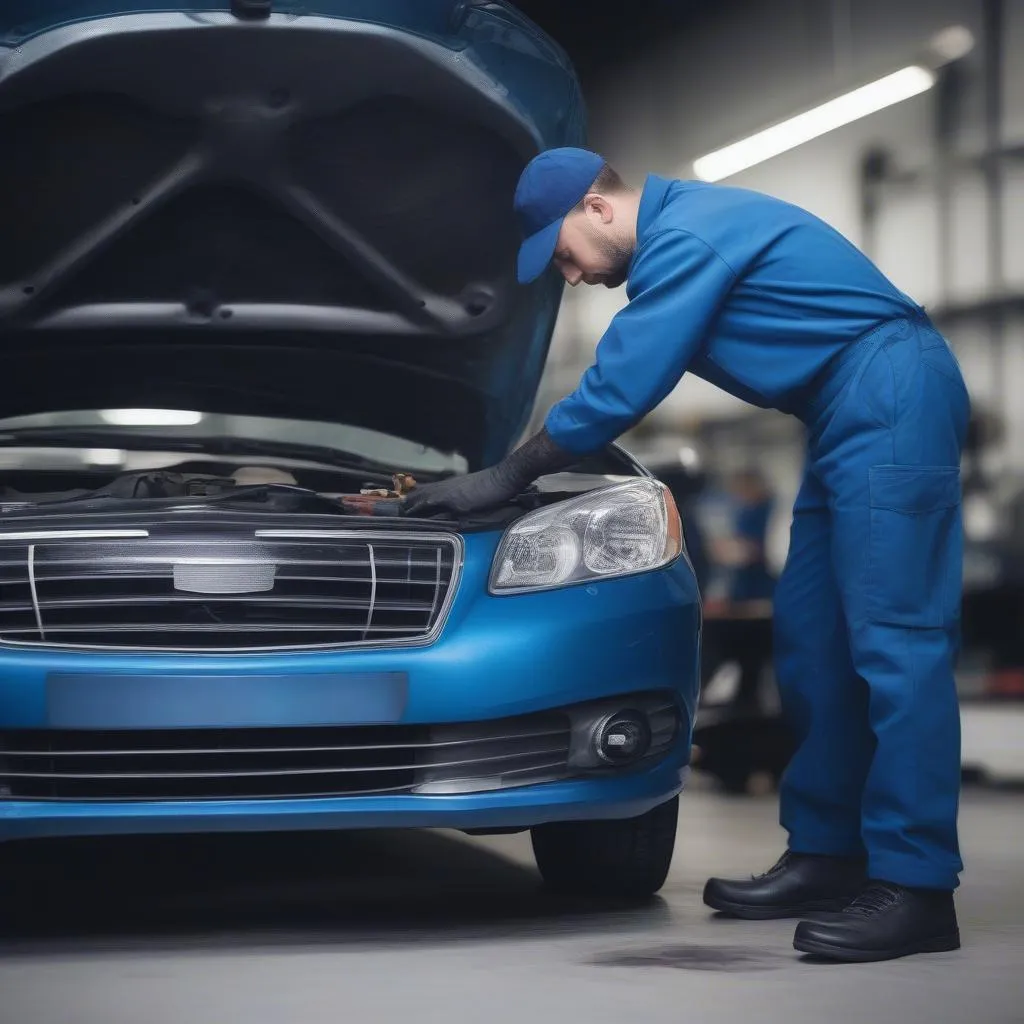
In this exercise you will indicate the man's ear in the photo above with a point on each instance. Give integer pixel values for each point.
(599, 207)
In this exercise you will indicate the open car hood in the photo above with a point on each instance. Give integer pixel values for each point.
(305, 215)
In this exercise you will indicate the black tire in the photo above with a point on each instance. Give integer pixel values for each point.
(627, 859)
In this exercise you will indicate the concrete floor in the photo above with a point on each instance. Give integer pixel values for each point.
(431, 927)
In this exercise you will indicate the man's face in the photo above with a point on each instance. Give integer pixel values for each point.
(594, 246)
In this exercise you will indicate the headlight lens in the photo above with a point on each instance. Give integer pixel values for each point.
(620, 530)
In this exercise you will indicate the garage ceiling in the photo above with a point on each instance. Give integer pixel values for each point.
(600, 37)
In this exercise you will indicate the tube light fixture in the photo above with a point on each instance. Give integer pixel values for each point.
(151, 417)
(885, 92)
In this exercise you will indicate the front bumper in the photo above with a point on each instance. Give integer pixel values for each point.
(591, 799)
(497, 657)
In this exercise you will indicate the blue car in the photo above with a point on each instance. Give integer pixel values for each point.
(257, 282)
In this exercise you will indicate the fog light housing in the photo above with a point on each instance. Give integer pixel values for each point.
(623, 738)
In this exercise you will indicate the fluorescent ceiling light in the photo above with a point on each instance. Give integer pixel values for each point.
(894, 88)
(151, 417)
(953, 43)
(688, 457)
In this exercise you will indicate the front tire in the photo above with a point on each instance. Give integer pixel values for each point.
(627, 859)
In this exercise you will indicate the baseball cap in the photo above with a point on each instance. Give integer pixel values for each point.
(552, 184)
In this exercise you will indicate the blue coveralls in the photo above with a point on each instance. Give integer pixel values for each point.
(776, 308)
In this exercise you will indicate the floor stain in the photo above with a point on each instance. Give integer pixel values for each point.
(696, 958)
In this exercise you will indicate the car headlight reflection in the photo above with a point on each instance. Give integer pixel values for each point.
(617, 531)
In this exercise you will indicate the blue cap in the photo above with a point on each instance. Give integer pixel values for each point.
(550, 187)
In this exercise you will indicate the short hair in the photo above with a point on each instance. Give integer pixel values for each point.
(607, 183)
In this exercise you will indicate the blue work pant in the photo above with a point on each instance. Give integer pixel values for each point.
(867, 612)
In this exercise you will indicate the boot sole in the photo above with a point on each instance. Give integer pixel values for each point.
(937, 944)
(749, 912)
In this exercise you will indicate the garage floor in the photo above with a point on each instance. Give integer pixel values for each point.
(431, 927)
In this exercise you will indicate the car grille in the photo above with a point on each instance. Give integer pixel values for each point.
(213, 581)
(39, 764)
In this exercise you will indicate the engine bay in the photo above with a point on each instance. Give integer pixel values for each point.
(274, 486)
(271, 486)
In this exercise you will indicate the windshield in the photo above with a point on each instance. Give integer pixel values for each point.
(178, 423)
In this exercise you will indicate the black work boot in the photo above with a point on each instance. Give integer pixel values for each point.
(798, 884)
(884, 922)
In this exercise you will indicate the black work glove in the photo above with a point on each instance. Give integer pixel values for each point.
(489, 488)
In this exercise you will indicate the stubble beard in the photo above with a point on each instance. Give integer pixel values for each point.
(619, 253)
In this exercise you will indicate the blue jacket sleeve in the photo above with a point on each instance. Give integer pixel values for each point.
(675, 290)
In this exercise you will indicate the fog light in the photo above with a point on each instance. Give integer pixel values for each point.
(623, 737)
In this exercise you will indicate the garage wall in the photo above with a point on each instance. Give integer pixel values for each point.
(750, 64)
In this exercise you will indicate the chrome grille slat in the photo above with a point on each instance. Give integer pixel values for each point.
(228, 751)
(468, 762)
(205, 580)
(298, 602)
(170, 559)
(266, 763)
(437, 587)
(553, 767)
(545, 766)
(208, 627)
(34, 590)
(192, 798)
(373, 591)
(115, 576)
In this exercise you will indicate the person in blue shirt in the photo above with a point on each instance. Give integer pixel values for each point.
(744, 553)
(775, 307)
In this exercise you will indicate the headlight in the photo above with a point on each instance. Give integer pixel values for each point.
(617, 531)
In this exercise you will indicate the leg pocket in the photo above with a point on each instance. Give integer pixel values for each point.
(915, 546)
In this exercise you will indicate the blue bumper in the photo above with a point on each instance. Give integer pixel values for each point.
(513, 808)
(497, 657)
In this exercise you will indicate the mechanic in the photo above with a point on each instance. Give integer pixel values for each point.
(775, 307)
